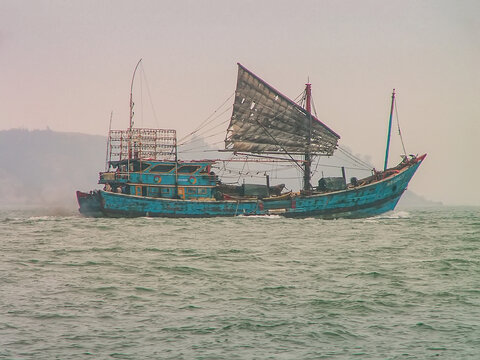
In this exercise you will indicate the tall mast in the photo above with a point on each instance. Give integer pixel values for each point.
(131, 112)
(109, 151)
(176, 168)
(307, 164)
(131, 95)
(389, 131)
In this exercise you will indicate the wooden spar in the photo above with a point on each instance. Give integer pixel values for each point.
(389, 131)
(307, 163)
(262, 159)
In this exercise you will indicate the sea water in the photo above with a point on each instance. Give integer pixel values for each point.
(405, 285)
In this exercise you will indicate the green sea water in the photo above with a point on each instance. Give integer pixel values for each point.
(405, 285)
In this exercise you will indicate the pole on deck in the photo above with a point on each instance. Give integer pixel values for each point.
(308, 160)
(389, 131)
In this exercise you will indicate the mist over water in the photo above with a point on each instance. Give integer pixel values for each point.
(399, 286)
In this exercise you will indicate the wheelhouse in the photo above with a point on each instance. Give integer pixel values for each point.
(161, 179)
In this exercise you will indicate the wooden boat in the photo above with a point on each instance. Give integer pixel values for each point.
(146, 177)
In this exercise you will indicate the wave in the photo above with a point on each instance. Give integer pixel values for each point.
(260, 217)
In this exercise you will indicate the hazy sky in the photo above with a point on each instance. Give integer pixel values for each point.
(68, 64)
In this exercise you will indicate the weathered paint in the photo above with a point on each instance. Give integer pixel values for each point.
(195, 183)
(131, 206)
(363, 201)
(89, 204)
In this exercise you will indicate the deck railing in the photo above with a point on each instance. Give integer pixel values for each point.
(113, 176)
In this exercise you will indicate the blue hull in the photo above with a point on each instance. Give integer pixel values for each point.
(366, 201)
(119, 205)
(359, 202)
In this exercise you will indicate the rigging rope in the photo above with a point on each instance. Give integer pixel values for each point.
(207, 130)
(355, 159)
(206, 121)
(202, 132)
(144, 75)
(363, 165)
(399, 131)
(185, 140)
(314, 109)
(204, 145)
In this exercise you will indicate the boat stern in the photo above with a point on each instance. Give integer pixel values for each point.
(89, 203)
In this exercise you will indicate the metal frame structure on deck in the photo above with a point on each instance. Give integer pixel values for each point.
(141, 143)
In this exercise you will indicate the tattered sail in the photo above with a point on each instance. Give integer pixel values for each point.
(264, 120)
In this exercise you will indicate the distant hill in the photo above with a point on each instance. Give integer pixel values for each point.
(411, 200)
(44, 168)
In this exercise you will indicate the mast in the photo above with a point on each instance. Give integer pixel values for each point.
(109, 151)
(176, 168)
(131, 95)
(131, 112)
(389, 131)
(307, 164)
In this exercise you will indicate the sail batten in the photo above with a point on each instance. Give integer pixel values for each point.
(264, 120)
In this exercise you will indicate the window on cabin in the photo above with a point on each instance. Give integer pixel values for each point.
(191, 191)
(188, 169)
(205, 170)
(165, 191)
(153, 190)
(140, 166)
(162, 168)
(202, 191)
